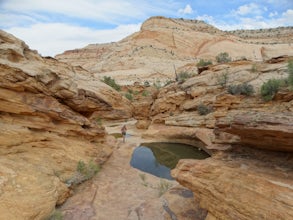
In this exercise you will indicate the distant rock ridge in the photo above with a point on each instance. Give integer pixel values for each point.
(180, 24)
(267, 35)
(163, 44)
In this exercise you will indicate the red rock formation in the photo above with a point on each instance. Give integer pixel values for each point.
(241, 186)
(271, 131)
(46, 128)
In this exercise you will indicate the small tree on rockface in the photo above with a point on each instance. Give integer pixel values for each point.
(290, 70)
(223, 58)
(111, 82)
(203, 63)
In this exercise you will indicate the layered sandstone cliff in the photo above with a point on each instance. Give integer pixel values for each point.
(165, 43)
(249, 175)
(48, 123)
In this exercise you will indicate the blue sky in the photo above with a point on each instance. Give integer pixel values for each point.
(53, 26)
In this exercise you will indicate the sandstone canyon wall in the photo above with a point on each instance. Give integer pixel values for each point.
(249, 175)
(48, 123)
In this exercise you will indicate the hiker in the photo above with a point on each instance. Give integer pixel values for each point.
(123, 131)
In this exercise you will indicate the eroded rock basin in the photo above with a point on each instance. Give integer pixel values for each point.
(120, 191)
(158, 158)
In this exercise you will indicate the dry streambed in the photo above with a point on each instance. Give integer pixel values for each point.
(120, 191)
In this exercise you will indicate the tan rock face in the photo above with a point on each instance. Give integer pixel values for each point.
(239, 181)
(163, 42)
(262, 130)
(46, 127)
(198, 137)
(236, 187)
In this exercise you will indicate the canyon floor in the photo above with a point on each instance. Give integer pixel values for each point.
(120, 191)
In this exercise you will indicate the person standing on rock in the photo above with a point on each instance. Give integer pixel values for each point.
(123, 131)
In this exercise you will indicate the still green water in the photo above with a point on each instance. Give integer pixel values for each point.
(159, 158)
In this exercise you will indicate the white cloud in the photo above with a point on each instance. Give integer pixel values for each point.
(247, 9)
(273, 14)
(186, 10)
(54, 38)
(257, 22)
(110, 10)
(207, 18)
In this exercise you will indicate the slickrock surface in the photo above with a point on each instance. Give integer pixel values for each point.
(120, 191)
(251, 185)
(47, 125)
(164, 43)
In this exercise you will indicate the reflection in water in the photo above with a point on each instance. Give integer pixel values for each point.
(159, 158)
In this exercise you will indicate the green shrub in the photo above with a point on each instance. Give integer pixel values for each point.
(129, 96)
(145, 93)
(290, 70)
(163, 187)
(223, 79)
(157, 84)
(143, 178)
(56, 215)
(203, 109)
(135, 92)
(81, 167)
(182, 76)
(89, 170)
(83, 172)
(241, 89)
(203, 62)
(168, 82)
(253, 68)
(269, 89)
(223, 57)
(99, 121)
(111, 82)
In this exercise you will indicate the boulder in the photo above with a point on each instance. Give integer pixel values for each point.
(239, 186)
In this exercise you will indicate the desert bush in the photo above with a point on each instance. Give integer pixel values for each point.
(87, 170)
(203, 62)
(182, 76)
(168, 82)
(269, 89)
(135, 92)
(253, 68)
(204, 109)
(222, 79)
(111, 82)
(290, 70)
(145, 93)
(223, 57)
(99, 121)
(83, 172)
(129, 96)
(56, 215)
(157, 84)
(241, 89)
(143, 178)
(163, 187)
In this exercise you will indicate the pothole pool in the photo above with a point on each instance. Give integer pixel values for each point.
(159, 158)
